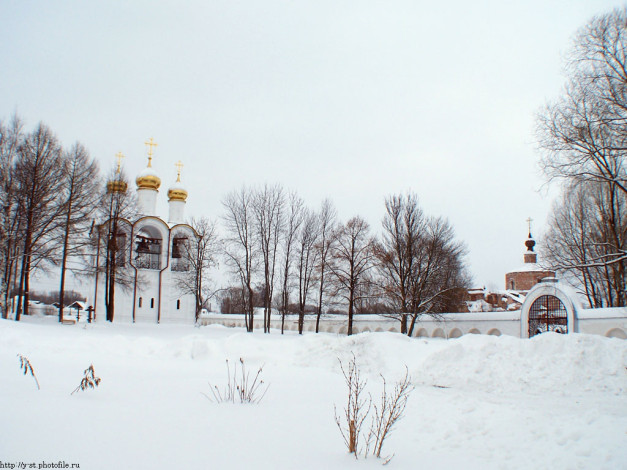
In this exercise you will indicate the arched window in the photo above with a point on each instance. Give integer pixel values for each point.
(511, 284)
(178, 304)
(152, 303)
(140, 302)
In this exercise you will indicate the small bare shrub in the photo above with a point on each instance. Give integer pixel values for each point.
(240, 386)
(28, 368)
(357, 407)
(89, 380)
(389, 411)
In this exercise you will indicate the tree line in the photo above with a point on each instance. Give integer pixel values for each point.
(288, 257)
(48, 195)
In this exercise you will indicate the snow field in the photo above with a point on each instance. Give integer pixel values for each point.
(555, 401)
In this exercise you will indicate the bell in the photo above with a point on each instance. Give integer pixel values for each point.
(142, 246)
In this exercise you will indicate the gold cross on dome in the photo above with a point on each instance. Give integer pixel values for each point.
(178, 166)
(150, 144)
(529, 220)
(119, 156)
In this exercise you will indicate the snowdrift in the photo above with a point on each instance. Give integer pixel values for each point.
(554, 401)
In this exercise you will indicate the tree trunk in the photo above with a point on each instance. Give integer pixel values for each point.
(351, 302)
(22, 305)
(66, 240)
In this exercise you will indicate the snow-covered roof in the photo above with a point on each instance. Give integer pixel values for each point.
(148, 171)
(77, 303)
(178, 185)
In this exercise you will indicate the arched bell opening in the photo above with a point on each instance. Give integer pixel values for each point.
(148, 248)
(180, 252)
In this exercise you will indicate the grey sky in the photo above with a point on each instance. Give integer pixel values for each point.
(351, 100)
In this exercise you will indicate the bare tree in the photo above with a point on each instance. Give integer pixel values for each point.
(398, 252)
(268, 217)
(583, 134)
(113, 241)
(353, 256)
(420, 264)
(79, 201)
(587, 241)
(442, 278)
(327, 217)
(11, 135)
(293, 221)
(307, 254)
(200, 254)
(240, 245)
(39, 174)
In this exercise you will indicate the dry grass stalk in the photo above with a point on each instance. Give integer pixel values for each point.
(27, 367)
(240, 387)
(89, 380)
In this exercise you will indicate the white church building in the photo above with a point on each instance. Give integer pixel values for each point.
(151, 254)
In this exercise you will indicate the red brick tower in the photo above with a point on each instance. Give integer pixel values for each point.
(530, 273)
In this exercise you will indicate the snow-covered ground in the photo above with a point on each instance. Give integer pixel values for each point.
(480, 402)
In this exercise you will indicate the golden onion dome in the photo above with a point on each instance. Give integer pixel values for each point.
(148, 179)
(117, 186)
(177, 192)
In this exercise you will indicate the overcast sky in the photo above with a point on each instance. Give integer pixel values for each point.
(351, 100)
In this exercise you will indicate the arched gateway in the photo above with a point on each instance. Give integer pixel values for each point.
(548, 307)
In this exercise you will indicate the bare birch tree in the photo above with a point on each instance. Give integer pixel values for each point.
(240, 245)
(327, 217)
(268, 217)
(307, 254)
(293, 221)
